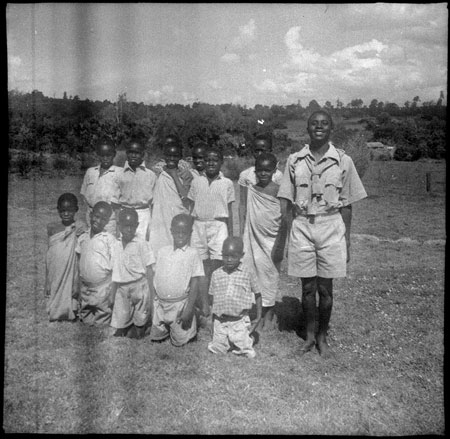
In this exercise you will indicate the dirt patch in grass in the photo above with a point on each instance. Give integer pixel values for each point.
(386, 377)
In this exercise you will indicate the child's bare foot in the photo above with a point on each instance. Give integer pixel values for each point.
(307, 346)
(324, 348)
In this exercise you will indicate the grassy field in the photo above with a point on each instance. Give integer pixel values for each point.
(387, 333)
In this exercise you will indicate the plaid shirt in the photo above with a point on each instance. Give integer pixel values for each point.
(233, 293)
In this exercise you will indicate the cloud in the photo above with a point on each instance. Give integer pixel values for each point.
(230, 58)
(371, 68)
(247, 34)
(214, 84)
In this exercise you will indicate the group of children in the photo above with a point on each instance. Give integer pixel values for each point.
(159, 247)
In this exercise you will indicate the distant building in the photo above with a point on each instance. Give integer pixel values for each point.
(380, 147)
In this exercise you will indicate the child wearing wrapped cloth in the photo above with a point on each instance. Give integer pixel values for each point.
(234, 290)
(96, 248)
(178, 269)
(265, 235)
(132, 279)
(62, 281)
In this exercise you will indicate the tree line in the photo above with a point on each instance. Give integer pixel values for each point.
(70, 125)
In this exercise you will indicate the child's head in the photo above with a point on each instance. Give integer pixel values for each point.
(262, 143)
(232, 253)
(181, 229)
(99, 216)
(67, 206)
(213, 162)
(128, 223)
(106, 151)
(135, 153)
(265, 167)
(319, 126)
(198, 155)
(173, 151)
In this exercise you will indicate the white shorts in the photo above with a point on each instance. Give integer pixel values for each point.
(207, 237)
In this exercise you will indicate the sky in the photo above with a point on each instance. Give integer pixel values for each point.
(240, 53)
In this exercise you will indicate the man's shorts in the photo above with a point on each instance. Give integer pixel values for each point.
(207, 237)
(132, 304)
(317, 247)
(164, 322)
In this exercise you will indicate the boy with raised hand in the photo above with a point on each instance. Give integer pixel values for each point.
(233, 290)
(262, 143)
(132, 279)
(178, 270)
(100, 182)
(265, 235)
(136, 186)
(61, 280)
(96, 250)
(321, 183)
(183, 165)
(212, 196)
(170, 195)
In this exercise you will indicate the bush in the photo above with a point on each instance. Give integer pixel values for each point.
(24, 163)
(64, 165)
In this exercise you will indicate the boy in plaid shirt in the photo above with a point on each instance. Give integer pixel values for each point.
(234, 290)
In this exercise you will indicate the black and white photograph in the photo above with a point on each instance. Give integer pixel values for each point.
(225, 218)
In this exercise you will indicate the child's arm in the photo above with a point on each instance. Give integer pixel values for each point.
(230, 219)
(280, 241)
(346, 213)
(151, 286)
(258, 300)
(242, 208)
(188, 311)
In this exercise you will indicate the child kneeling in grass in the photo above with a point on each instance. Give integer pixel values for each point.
(234, 290)
(178, 270)
(132, 279)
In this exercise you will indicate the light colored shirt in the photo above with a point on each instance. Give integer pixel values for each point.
(174, 269)
(135, 187)
(322, 187)
(211, 200)
(159, 166)
(130, 263)
(248, 177)
(96, 187)
(95, 256)
(233, 293)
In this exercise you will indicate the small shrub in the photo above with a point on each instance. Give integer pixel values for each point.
(24, 164)
(64, 165)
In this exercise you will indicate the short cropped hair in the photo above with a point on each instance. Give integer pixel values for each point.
(200, 144)
(266, 156)
(108, 142)
(70, 198)
(189, 219)
(175, 138)
(104, 205)
(133, 142)
(128, 211)
(325, 113)
(267, 137)
(215, 150)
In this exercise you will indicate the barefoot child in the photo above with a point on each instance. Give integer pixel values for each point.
(100, 182)
(95, 248)
(178, 269)
(136, 185)
(233, 290)
(170, 195)
(62, 283)
(132, 279)
(265, 235)
(212, 196)
(262, 143)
